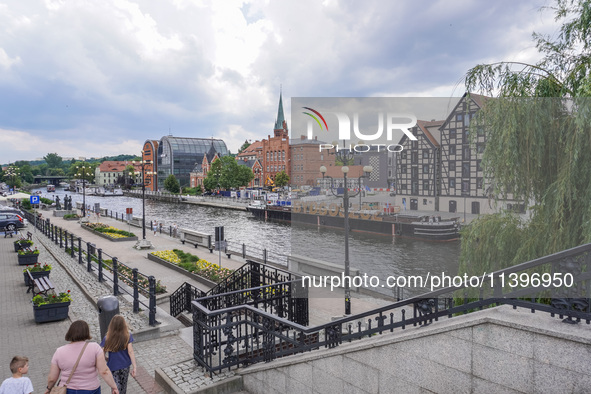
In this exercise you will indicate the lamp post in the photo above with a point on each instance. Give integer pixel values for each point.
(82, 172)
(367, 170)
(144, 243)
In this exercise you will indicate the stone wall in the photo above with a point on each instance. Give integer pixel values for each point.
(500, 350)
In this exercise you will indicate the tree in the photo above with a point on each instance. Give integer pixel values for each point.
(538, 147)
(244, 146)
(281, 179)
(172, 184)
(226, 173)
(53, 160)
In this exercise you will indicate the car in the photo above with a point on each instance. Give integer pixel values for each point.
(11, 221)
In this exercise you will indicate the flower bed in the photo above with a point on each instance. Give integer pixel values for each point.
(109, 232)
(192, 264)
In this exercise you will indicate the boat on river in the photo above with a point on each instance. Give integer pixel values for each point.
(424, 227)
(51, 188)
(108, 191)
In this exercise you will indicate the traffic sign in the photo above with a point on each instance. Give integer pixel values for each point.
(34, 199)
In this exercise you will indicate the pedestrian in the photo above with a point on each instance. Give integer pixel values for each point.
(155, 228)
(117, 342)
(17, 384)
(174, 230)
(79, 363)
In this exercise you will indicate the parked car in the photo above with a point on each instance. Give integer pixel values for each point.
(12, 221)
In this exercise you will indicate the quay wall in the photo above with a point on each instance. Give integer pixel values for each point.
(500, 350)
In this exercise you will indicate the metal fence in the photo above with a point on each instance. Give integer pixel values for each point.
(229, 336)
(108, 268)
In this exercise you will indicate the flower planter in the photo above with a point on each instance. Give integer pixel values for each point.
(29, 259)
(35, 275)
(19, 246)
(51, 312)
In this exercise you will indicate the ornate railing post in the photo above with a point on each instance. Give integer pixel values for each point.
(66, 239)
(88, 257)
(152, 290)
(72, 245)
(100, 264)
(136, 293)
(79, 250)
(115, 277)
(61, 239)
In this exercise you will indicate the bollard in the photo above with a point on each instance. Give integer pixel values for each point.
(243, 250)
(88, 257)
(265, 256)
(108, 306)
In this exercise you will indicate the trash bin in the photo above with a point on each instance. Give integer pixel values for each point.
(108, 306)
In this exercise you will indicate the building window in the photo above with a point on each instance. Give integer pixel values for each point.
(425, 168)
(426, 185)
(414, 145)
(452, 183)
(452, 149)
(466, 152)
(403, 155)
(452, 165)
(414, 157)
(414, 172)
(465, 187)
(459, 117)
(425, 153)
(452, 134)
(480, 147)
(465, 170)
(479, 183)
(478, 165)
(414, 187)
(403, 169)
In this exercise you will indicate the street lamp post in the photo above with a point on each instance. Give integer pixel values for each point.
(12, 172)
(82, 170)
(367, 170)
(144, 243)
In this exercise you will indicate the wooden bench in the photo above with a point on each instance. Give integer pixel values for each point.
(8, 232)
(43, 284)
(29, 236)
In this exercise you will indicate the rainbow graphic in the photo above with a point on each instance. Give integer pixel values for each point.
(315, 118)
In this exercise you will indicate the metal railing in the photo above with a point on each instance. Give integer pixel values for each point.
(122, 278)
(240, 335)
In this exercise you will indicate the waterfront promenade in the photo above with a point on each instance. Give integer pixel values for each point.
(168, 346)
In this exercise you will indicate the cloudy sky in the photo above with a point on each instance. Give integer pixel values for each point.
(96, 78)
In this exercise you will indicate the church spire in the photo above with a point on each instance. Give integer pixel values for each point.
(280, 124)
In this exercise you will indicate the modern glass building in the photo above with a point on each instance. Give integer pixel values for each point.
(178, 156)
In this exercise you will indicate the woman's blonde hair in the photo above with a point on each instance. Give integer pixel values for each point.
(117, 336)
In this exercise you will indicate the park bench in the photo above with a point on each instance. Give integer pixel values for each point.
(29, 236)
(43, 284)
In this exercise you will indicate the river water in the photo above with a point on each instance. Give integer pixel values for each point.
(377, 255)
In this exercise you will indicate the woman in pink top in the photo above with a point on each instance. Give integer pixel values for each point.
(85, 379)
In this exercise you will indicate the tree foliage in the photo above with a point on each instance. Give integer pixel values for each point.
(172, 184)
(281, 179)
(53, 160)
(226, 173)
(538, 149)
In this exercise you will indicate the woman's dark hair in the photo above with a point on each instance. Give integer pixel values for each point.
(78, 331)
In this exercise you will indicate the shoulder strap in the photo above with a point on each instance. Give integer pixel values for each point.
(76, 365)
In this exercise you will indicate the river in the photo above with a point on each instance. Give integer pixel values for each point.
(377, 255)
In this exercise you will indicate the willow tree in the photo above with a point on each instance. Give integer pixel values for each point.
(538, 129)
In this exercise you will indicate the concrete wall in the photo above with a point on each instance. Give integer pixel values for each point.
(494, 351)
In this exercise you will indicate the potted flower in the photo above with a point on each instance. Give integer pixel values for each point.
(28, 256)
(22, 243)
(51, 307)
(38, 270)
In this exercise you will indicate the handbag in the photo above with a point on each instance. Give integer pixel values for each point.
(63, 389)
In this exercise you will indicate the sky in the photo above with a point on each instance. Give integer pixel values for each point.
(92, 79)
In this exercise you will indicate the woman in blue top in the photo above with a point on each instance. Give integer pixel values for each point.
(117, 342)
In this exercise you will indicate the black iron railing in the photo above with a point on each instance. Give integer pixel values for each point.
(242, 334)
(266, 288)
(123, 278)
